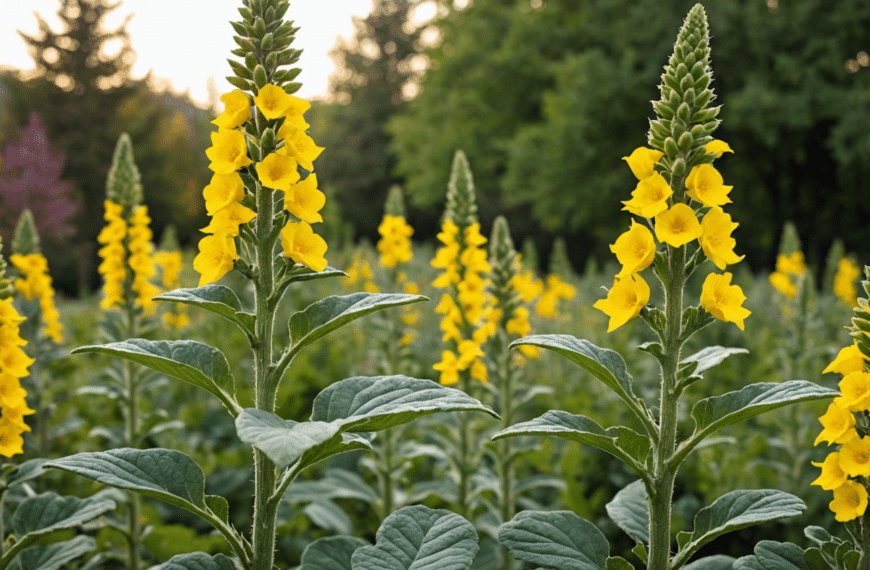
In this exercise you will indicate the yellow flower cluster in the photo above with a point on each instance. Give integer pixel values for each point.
(278, 171)
(395, 242)
(13, 366)
(126, 253)
(789, 268)
(37, 284)
(171, 262)
(361, 270)
(675, 224)
(839, 423)
(844, 281)
(113, 268)
(554, 290)
(469, 319)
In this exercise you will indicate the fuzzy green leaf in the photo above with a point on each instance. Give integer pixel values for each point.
(302, 273)
(736, 510)
(196, 561)
(711, 356)
(164, 474)
(286, 441)
(606, 365)
(555, 539)
(770, 555)
(326, 315)
(193, 362)
(217, 299)
(630, 511)
(617, 442)
(49, 512)
(715, 562)
(618, 563)
(55, 556)
(363, 403)
(30, 469)
(712, 414)
(420, 538)
(331, 553)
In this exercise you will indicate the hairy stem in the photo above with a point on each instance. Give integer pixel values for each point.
(662, 484)
(131, 436)
(504, 448)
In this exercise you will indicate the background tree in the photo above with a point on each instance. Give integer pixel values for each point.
(544, 95)
(375, 69)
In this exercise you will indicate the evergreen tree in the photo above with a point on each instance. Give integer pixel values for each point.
(375, 69)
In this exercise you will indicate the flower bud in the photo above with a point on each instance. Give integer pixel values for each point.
(678, 168)
(246, 14)
(250, 61)
(683, 112)
(272, 61)
(242, 84)
(678, 127)
(254, 151)
(686, 141)
(260, 77)
(689, 96)
(671, 148)
(663, 110)
(267, 41)
(267, 141)
(259, 27)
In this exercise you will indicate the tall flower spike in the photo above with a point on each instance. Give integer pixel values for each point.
(461, 200)
(26, 238)
(504, 268)
(685, 118)
(124, 184)
(395, 204)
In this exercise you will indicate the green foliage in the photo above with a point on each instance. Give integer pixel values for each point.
(420, 537)
(331, 553)
(630, 511)
(557, 539)
(26, 239)
(196, 561)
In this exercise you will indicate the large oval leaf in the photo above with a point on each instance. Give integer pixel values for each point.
(736, 510)
(629, 509)
(715, 562)
(606, 365)
(330, 313)
(420, 538)
(710, 356)
(770, 555)
(286, 441)
(196, 561)
(49, 512)
(366, 403)
(556, 539)
(55, 556)
(193, 362)
(165, 474)
(712, 414)
(331, 553)
(217, 299)
(622, 442)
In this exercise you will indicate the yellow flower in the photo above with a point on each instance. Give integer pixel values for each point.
(223, 190)
(215, 258)
(303, 246)
(227, 220)
(272, 101)
(624, 300)
(237, 110)
(650, 197)
(849, 359)
(527, 285)
(298, 145)
(294, 112)
(635, 249)
(855, 390)
(839, 425)
(37, 284)
(850, 501)
(228, 153)
(844, 281)
(706, 186)
(641, 161)
(784, 284)
(14, 361)
(519, 323)
(832, 474)
(277, 171)
(10, 390)
(792, 264)
(677, 225)
(11, 442)
(479, 372)
(718, 147)
(530, 351)
(395, 242)
(716, 240)
(448, 368)
(469, 351)
(855, 457)
(723, 300)
(305, 201)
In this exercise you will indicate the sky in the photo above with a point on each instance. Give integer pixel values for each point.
(188, 41)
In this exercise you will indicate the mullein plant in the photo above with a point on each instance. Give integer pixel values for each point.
(468, 322)
(257, 199)
(42, 327)
(845, 424)
(679, 199)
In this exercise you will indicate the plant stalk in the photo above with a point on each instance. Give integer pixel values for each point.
(665, 471)
(265, 392)
(505, 449)
(131, 435)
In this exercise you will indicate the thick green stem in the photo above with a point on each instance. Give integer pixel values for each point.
(131, 436)
(662, 485)
(505, 449)
(387, 483)
(864, 547)
(264, 384)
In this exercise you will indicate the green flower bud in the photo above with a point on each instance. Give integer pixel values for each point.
(501, 257)
(395, 204)
(124, 185)
(245, 44)
(272, 62)
(678, 168)
(685, 141)
(292, 88)
(254, 151)
(240, 70)
(239, 28)
(267, 140)
(269, 16)
(246, 15)
(260, 77)
(671, 148)
(266, 42)
(250, 61)
(26, 238)
(259, 27)
(461, 200)
(242, 84)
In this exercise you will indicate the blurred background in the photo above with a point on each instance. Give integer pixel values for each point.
(544, 96)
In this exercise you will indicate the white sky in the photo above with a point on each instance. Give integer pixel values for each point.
(188, 41)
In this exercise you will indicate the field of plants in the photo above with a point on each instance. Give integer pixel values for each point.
(277, 397)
